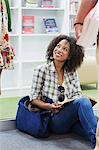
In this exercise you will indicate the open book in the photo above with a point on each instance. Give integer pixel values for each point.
(66, 101)
(92, 100)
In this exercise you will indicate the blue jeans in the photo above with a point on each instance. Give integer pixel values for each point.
(76, 116)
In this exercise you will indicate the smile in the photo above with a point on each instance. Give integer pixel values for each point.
(57, 54)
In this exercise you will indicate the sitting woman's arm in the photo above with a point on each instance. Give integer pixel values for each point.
(36, 91)
(48, 106)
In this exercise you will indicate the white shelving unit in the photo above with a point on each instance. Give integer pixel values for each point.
(73, 6)
(30, 48)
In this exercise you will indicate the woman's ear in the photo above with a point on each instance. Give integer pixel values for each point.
(51, 58)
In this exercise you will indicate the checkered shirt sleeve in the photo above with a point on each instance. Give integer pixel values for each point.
(37, 82)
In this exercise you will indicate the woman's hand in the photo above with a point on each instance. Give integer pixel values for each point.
(78, 30)
(54, 107)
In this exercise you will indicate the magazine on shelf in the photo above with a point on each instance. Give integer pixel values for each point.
(31, 3)
(50, 25)
(48, 3)
(27, 24)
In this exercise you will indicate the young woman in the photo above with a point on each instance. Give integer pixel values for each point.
(58, 82)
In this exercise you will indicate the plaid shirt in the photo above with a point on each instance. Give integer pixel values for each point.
(45, 83)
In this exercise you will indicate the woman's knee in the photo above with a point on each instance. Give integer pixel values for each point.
(84, 101)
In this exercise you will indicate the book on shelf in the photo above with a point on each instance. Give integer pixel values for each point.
(48, 3)
(72, 20)
(32, 3)
(27, 24)
(50, 25)
(74, 6)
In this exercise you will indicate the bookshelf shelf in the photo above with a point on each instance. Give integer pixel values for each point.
(72, 15)
(39, 8)
(39, 34)
(13, 8)
(32, 61)
(12, 35)
(30, 49)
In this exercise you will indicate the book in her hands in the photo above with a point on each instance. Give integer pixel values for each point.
(65, 101)
(27, 24)
(50, 25)
(31, 3)
(48, 3)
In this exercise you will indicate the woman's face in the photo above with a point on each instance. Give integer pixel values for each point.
(61, 51)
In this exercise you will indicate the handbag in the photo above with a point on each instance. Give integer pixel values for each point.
(34, 123)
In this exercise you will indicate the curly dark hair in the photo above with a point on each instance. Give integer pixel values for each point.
(76, 53)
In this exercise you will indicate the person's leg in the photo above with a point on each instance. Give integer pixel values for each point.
(62, 121)
(97, 138)
(87, 118)
(78, 129)
(0, 80)
(97, 58)
(78, 110)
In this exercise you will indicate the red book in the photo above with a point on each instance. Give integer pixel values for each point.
(27, 24)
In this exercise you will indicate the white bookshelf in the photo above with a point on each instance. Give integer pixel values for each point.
(30, 48)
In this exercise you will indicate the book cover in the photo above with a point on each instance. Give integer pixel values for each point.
(48, 3)
(50, 25)
(31, 3)
(27, 24)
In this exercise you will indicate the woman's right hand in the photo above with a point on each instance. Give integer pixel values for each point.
(54, 107)
(78, 30)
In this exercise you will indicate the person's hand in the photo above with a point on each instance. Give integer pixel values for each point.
(78, 30)
(54, 107)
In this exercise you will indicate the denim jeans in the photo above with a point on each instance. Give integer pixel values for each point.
(76, 116)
